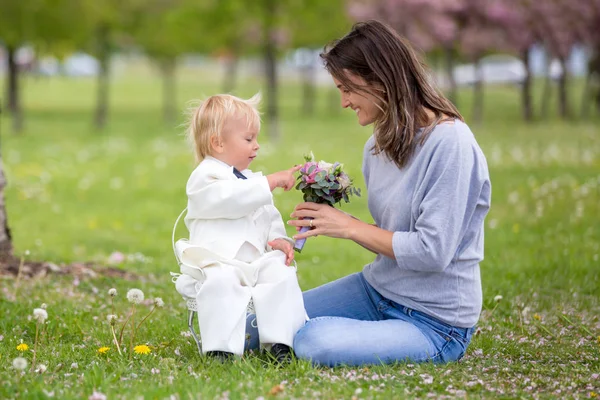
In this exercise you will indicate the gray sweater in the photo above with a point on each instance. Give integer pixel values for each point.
(435, 206)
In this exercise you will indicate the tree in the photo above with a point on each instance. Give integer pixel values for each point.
(426, 23)
(162, 45)
(5, 237)
(16, 28)
(557, 19)
(307, 30)
(47, 26)
(104, 22)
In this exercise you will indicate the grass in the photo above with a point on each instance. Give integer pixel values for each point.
(77, 195)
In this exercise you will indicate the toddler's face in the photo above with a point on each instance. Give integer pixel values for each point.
(239, 143)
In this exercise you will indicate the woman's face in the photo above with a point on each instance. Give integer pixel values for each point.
(366, 106)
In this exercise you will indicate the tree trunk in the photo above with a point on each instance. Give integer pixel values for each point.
(526, 88)
(13, 94)
(546, 91)
(231, 66)
(309, 77)
(563, 103)
(168, 67)
(449, 58)
(586, 98)
(5, 237)
(478, 93)
(103, 77)
(334, 101)
(271, 71)
(231, 72)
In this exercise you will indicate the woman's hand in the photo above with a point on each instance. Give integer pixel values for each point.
(326, 221)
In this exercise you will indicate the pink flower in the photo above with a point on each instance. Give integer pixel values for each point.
(97, 396)
(116, 257)
(309, 178)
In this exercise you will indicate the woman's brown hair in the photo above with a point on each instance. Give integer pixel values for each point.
(379, 55)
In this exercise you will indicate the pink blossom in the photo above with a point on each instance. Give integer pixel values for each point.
(116, 257)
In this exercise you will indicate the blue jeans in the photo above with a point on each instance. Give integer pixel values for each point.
(352, 324)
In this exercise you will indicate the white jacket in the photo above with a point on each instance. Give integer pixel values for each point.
(225, 211)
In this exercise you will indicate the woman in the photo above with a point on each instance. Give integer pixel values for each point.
(428, 192)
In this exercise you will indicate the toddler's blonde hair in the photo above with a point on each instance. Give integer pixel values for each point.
(209, 117)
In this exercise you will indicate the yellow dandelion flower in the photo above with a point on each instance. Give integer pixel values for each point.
(593, 394)
(598, 340)
(103, 350)
(142, 349)
(22, 347)
(537, 316)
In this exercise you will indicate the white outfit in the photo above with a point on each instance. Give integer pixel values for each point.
(227, 261)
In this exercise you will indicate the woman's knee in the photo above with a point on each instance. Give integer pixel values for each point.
(313, 343)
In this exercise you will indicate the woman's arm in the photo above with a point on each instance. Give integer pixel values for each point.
(331, 222)
(373, 238)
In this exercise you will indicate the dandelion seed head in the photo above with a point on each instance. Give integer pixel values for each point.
(44, 306)
(19, 363)
(498, 298)
(40, 315)
(112, 292)
(41, 368)
(112, 319)
(135, 296)
(158, 302)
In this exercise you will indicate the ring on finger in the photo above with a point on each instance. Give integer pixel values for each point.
(310, 223)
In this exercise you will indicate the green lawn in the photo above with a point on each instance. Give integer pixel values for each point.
(79, 195)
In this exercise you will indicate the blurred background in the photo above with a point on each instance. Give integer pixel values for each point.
(467, 43)
(95, 93)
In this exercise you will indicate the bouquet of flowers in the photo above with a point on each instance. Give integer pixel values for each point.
(322, 182)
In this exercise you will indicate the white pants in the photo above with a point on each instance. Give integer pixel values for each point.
(223, 296)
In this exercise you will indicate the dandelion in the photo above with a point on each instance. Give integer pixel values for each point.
(497, 298)
(112, 318)
(22, 347)
(41, 369)
(135, 296)
(103, 350)
(142, 349)
(40, 315)
(19, 363)
(44, 306)
(537, 316)
(158, 302)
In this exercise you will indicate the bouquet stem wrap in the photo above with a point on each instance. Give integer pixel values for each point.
(325, 183)
(301, 242)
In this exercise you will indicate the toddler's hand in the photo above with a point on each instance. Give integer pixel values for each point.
(286, 247)
(283, 179)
